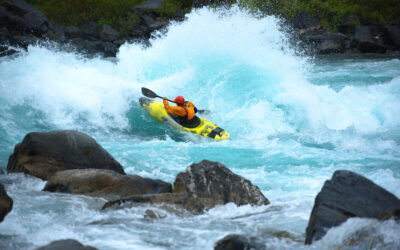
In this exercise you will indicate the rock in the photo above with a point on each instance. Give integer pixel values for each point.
(331, 46)
(218, 184)
(108, 34)
(393, 32)
(238, 242)
(90, 30)
(6, 51)
(148, 20)
(365, 42)
(369, 238)
(194, 205)
(65, 245)
(43, 154)
(348, 195)
(303, 20)
(56, 32)
(6, 203)
(72, 32)
(151, 214)
(30, 19)
(105, 183)
(24, 41)
(348, 26)
(203, 186)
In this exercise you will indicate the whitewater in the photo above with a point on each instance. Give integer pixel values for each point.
(293, 121)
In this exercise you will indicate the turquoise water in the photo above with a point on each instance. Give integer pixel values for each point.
(293, 121)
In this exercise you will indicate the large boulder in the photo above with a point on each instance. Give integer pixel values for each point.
(239, 242)
(348, 195)
(26, 17)
(393, 32)
(66, 245)
(203, 186)
(105, 183)
(90, 30)
(6, 203)
(108, 33)
(366, 42)
(43, 154)
(217, 184)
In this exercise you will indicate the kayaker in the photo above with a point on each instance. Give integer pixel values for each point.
(184, 113)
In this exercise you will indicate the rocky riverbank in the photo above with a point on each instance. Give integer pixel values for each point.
(22, 24)
(73, 162)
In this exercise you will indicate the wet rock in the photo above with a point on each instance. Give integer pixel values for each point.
(67, 244)
(105, 183)
(6, 51)
(393, 32)
(238, 242)
(6, 203)
(203, 186)
(366, 42)
(326, 43)
(179, 200)
(369, 238)
(151, 214)
(108, 34)
(43, 154)
(26, 17)
(348, 195)
(218, 185)
(56, 32)
(90, 30)
(72, 32)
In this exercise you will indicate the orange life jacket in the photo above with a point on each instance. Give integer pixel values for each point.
(189, 107)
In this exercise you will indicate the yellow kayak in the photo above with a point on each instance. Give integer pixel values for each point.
(204, 128)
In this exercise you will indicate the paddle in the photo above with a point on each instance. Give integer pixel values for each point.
(149, 93)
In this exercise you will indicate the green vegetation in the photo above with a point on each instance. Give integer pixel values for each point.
(74, 12)
(330, 12)
(170, 7)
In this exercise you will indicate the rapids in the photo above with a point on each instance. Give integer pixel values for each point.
(293, 121)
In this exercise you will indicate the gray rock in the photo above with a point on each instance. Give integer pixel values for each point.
(148, 20)
(214, 181)
(365, 42)
(104, 183)
(348, 195)
(6, 203)
(90, 29)
(239, 242)
(43, 154)
(72, 32)
(108, 33)
(56, 32)
(203, 186)
(31, 19)
(393, 32)
(67, 244)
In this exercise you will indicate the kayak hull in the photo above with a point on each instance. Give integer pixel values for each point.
(205, 128)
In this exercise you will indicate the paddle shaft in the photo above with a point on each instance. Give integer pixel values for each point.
(149, 93)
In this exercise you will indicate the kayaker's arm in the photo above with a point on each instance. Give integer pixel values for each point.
(173, 110)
